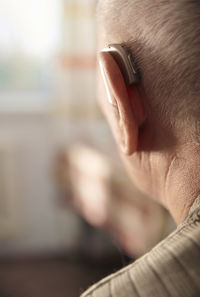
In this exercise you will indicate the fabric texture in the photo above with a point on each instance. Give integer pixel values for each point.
(172, 268)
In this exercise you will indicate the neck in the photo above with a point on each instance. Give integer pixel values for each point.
(183, 185)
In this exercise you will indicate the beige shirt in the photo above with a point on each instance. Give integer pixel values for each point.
(172, 268)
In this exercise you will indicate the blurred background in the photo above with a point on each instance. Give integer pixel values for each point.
(68, 213)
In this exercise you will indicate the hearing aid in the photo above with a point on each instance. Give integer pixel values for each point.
(125, 60)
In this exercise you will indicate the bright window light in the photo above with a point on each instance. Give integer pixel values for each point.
(31, 27)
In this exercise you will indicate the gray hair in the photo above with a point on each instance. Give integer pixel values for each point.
(164, 36)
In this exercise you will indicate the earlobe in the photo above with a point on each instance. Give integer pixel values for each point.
(125, 123)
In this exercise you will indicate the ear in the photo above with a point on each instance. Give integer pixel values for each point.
(124, 107)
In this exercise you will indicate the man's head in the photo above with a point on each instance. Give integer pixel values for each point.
(156, 122)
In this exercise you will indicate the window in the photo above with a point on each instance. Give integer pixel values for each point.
(29, 42)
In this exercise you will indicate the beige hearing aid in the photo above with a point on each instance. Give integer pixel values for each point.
(125, 61)
(124, 58)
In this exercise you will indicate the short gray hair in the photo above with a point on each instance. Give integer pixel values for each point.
(164, 36)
